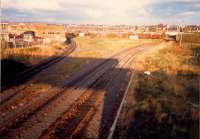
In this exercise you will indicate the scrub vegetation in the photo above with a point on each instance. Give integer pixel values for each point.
(31, 55)
(164, 104)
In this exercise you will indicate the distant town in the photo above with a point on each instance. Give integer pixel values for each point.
(27, 34)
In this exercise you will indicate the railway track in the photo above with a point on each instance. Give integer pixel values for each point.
(5, 97)
(25, 75)
(72, 123)
(34, 119)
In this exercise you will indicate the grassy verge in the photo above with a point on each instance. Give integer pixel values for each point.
(164, 104)
(104, 46)
(31, 55)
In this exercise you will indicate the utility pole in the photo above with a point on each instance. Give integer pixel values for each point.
(181, 33)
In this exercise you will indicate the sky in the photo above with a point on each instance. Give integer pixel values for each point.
(130, 12)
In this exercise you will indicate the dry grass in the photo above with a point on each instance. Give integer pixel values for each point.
(191, 38)
(166, 103)
(89, 50)
(89, 47)
(105, 46)
(31, 55)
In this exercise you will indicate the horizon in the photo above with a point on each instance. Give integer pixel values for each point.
(52, 23)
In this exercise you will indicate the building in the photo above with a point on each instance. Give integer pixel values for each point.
(133, 37)
(81, 34)
(4, 31)
(4, 35)
(48, 32)
(29, 36)
(19, 41)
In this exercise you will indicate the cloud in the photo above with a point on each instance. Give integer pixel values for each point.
(100, 11)
(173, 7)
(183, 18)
(176, 12)
(17, 15)
(31, 4)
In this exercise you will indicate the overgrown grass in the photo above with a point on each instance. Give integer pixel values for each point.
(191, 38)
(31, 55)
(166, 103)
(103, 46)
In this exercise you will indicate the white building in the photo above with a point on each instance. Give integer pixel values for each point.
(133, 37)
(81, 34)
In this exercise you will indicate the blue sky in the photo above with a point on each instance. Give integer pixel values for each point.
(103, 11)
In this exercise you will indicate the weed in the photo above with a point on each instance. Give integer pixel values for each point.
(165, 103)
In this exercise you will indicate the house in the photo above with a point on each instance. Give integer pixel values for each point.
(29, 36)
(50, 32)
(19, 41)
(11, 41)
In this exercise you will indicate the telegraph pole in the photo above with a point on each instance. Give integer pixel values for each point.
(181, 39)
(181, 33)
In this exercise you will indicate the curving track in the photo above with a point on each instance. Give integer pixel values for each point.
(66, 113)
(25, 75)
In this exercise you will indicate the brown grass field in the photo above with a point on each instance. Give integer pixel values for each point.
(164, 104)
(31, 55)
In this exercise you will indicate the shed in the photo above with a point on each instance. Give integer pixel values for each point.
(133, 37)
(81, 34)
(29, 36)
